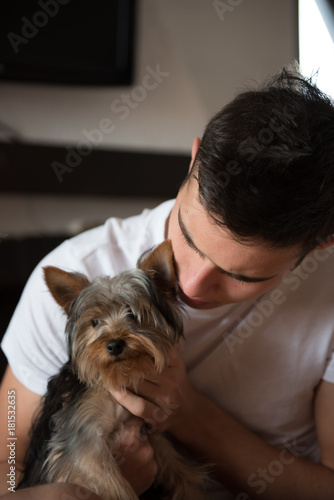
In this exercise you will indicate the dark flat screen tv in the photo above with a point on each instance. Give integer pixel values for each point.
(81, 42)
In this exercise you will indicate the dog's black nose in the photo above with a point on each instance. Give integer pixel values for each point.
(116, 347)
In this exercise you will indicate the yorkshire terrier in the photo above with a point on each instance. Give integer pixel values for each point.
(117, 330)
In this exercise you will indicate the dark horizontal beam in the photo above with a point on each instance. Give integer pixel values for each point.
(70, 170)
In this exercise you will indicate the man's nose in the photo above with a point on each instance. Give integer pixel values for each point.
(200, 280)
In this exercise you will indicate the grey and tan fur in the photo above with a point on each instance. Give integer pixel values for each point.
(117, 330)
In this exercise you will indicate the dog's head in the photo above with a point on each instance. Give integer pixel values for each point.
(118, 326)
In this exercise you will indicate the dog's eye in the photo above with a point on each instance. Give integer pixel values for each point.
(95, 322)
(131, 315)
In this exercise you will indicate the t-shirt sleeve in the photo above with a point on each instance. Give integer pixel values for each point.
(34, 343)
(329, 372)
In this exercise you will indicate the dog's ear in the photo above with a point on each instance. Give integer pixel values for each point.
(65, 287)
(159, 264)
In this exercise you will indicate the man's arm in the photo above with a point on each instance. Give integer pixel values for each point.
(56, 491)
(18, 406)
(246, 464)
(324, 418)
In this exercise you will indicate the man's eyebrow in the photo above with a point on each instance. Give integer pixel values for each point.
(239, 277)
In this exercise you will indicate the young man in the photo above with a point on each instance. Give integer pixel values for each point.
(253, 389)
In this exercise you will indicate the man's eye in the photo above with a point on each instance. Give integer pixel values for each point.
(95, 322)
(191, 244)
(240, 280)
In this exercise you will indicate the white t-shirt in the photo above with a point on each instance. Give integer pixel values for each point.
(260, 360)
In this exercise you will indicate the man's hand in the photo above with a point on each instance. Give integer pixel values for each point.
(162, 399)
(160, 402)
(135, 456)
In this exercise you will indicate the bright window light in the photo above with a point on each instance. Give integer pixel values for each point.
(316, 46)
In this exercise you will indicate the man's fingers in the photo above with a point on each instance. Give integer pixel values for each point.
(135, 404)
(135, 456)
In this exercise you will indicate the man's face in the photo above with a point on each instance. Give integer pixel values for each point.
(213, 269)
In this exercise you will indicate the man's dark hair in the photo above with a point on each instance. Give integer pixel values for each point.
(265, 167)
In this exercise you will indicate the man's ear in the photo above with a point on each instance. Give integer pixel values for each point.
(65, 287)
(159, 264)
(194, 149)
(323, 244)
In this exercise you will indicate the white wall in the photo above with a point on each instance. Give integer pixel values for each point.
(207, 48)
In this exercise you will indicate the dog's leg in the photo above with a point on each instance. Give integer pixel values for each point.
(179, 480)
(96, 469)
(103, 477)
(81, 451)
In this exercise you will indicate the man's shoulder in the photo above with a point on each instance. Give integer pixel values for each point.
(113, 246)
